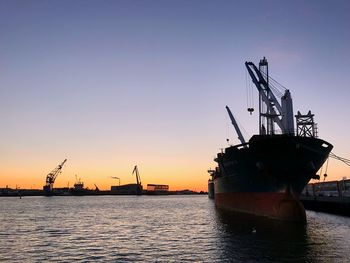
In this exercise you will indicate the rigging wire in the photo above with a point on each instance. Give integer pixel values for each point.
(321, 169)
(247, 88)
(242, 128)
(276, 90)
(277, 87)
(327, 165)
(227, 131)
(274, 81)
(249, 92)
(325, 173)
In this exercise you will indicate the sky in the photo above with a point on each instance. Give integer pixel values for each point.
(113, 84)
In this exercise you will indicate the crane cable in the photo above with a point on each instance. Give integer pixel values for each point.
(249, 92)
(325, 173)
(274, 81)
(277, 87)
(247, 89)
(334, 156)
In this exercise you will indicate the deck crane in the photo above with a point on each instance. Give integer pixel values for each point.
(138, 180)
(234, 123)
(270, 109)
(51, 177)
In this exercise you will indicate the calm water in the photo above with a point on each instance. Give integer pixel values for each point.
(159, 229)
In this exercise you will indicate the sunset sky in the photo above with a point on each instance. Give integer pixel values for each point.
(111, 84)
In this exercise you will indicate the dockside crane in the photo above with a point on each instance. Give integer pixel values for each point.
(138, 180)
(51, 177)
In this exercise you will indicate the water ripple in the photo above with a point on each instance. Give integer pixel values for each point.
(159, 229)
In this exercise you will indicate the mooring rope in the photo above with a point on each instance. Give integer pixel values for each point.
(344, 160)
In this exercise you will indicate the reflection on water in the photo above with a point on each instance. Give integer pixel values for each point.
(258, 239)
(160, 229)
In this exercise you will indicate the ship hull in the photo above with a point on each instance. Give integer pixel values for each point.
(280, 206)
(266, 176)
(211, 194)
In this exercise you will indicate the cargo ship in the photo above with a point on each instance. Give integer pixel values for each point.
(265, 175)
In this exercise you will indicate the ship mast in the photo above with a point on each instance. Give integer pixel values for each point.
(271, 111)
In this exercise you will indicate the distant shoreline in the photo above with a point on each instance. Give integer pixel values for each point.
(9, 192)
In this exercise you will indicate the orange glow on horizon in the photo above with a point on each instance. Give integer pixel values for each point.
(178, 178)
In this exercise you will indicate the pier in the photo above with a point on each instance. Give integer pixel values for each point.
(330, 197)
(333, 205)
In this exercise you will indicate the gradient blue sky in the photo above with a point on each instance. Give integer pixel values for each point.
(110, 84)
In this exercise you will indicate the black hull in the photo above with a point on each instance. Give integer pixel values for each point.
(211, 194)
(268, 164)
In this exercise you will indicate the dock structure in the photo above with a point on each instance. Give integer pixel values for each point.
(330, 197)
(333, 205)
(157, 189)
(127, 189)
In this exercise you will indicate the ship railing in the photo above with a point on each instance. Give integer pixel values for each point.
(241, 146)
(328, 189)
(238, 146)
(299, 132)
(279, 131)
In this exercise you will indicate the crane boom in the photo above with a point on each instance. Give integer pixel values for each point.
(138, 180)
(233, 120)
(136, 171)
